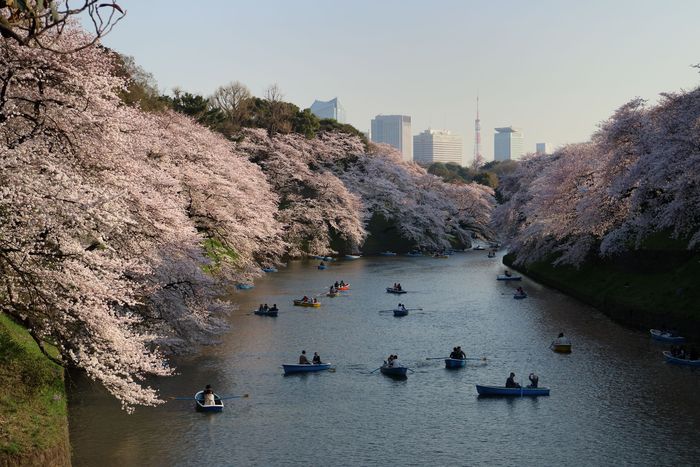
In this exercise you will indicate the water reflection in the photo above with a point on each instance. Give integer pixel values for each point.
(613, 400)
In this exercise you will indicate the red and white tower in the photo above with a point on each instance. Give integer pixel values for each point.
(478, 158)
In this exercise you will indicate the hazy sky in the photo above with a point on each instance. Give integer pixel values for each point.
(555, 68)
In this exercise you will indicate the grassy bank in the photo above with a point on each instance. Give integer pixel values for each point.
(643, 289)
(33, 415)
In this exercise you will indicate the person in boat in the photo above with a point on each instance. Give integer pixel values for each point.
(510, 382)
(336, 285)
(453, 354)
(561, 340)
(398, 286)
(322, 264)
(317, 359)
(260, 308)
(507, 273)
(402, 307)
(266, 308)
(520, 291)
(682, 353)
(302, 358)
(314, 300)
(460, 353)
(395, 362)
(342, 283)
(274, 307)
(305, 299)
(534, 380)
(674, 351)
(332, 289)
(209, 395)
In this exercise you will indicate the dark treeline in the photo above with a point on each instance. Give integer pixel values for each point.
(231, 108)
(488, 174)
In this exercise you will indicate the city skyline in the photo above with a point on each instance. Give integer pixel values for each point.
(556, 69)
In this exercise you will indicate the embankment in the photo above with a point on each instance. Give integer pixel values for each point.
(33, 410)
(641, 289)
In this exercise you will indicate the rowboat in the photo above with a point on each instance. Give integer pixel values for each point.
(269, 269)
(387, 253)
(332, 294)
(455, 363)
(259, 312)
(394, 371)
(244, 286)
(396, 291)
(322, 266)
(665, 336)
(218, 405)
(303, 303)
(512, 392)
(353, 256)
(478, 247)
(512, 277)
(680, 361)
(520, 296)
(400, 312)
(344, 287)
(561, 348)
(491, 255)
(414, 253)
(304, 368)
(441, 256)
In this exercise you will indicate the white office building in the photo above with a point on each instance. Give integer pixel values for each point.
(329, 109)
(394, 130)
(507, 144)
(437, 146)
(543, 148)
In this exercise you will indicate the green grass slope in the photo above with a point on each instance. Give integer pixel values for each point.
(33, 414)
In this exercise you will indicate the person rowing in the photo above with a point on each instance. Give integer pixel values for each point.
(460, 353)
(317, 359)
(209, 395)
(302, 358)
(510, 382)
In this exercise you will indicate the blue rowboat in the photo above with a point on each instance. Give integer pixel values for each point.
(680, 361)
(200, 407)
(414, 253)
(387, 253)
(244, 286)
(665, 336)
(353, 256)
(520, 296)
(399, 312)
(269, 269)
(396, 291)
(510, 392)
(394, 371)
(301, 368)
(322, 266)
(512, 277)
(455, 363)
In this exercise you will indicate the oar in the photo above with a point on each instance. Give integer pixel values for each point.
(413, 309)
(190, 398)
(482, 359)
(374, 370)
(233, 397)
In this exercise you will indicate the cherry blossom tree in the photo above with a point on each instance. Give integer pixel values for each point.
(117, 226)
(638, 176)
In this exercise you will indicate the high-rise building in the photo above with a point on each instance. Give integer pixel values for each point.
(329, 109)
(394, 130)
(507, 144)
(437, 146)
(543, 148)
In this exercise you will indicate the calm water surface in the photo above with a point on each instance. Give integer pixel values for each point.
(613, 400)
